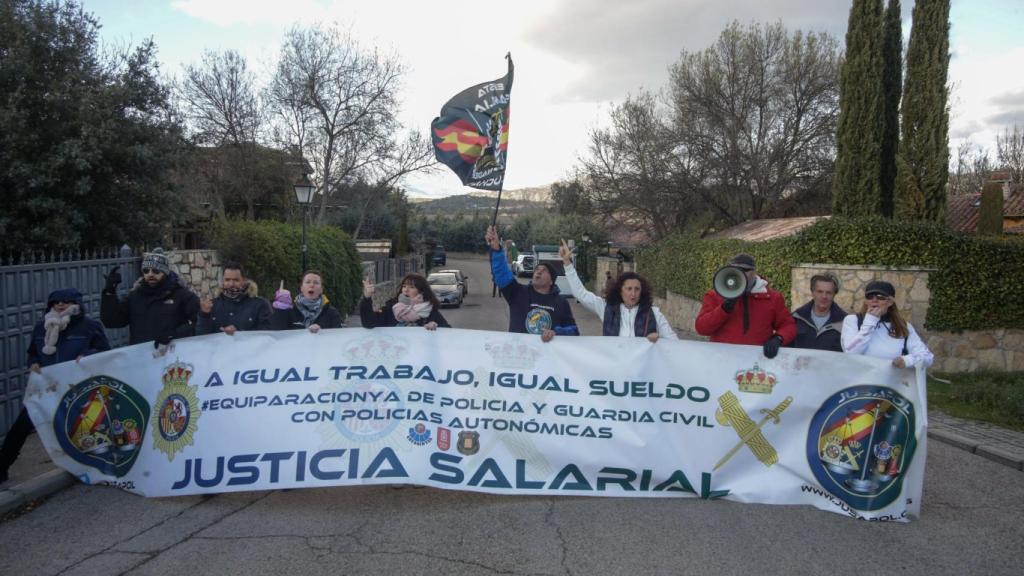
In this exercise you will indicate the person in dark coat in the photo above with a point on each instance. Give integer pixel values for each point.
(415, 304)
(238, 307)
(159, 307)
(311, 309)
(537, 308)
(819, 323)
(65, 333)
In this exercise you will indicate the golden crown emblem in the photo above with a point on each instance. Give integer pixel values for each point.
(177, 374)
(755, 380)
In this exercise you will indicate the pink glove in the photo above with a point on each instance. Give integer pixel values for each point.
(282, 300)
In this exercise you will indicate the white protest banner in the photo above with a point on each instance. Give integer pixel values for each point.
(491, 412)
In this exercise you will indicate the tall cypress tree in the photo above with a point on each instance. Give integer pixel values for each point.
(923, 158)
(856, 188)
(892, 88)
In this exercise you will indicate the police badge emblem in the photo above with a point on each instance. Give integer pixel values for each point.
(469, 442)
(419, 434)
(100, 423)
(177, 412)
(861, 441)
(538, 320)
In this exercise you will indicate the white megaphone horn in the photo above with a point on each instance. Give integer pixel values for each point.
(730, 282)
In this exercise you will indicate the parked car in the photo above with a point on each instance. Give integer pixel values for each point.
(462, 278)
(440, 256)
(523, 266)
(446, 287)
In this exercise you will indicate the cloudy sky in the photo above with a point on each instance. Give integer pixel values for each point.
(574, 58)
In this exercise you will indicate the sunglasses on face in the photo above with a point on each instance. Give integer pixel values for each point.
(877, 297)
(151, 271)
(64, 302)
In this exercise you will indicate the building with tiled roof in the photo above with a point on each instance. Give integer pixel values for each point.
(962, 211)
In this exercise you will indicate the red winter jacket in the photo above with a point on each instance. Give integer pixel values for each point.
(768, 316)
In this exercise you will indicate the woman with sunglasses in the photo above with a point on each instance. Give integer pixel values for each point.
(63, 334)
(880, 330)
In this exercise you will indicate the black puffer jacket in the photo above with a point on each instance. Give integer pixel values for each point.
(249, 312)
(161, 313)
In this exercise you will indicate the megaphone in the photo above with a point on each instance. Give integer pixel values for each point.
(730, 282)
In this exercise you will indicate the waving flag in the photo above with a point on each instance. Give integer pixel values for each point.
(471, 134)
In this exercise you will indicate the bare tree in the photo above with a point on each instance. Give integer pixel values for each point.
(339, 103)
(219, 100)
(634, 175)
(972, 167)
(758, 111)
(1010, 153)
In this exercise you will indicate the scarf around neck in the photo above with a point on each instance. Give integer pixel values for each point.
(310, 309)
(411, 310)
(54, 322)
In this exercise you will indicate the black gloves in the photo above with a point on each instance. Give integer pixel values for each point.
(728, 304)
(771, 347)
(113, 279)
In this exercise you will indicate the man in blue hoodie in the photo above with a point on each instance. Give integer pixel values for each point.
(536, 308)
(65, 333)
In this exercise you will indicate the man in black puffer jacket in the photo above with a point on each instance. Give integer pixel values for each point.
(237, 308)
(158, 308)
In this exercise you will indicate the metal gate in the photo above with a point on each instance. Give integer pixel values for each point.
(23, 291)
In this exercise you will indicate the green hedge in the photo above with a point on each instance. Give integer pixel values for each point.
(272, 251)
(971, 289)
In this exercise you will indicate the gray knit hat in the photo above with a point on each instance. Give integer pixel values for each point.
(156, 260)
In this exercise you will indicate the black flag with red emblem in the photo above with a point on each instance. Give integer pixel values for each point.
(471, 134)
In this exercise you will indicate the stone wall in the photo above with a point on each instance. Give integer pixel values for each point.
(201, 270)
(966, 351)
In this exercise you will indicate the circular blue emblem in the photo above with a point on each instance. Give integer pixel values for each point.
(100, 422)
(538, 320)
(860, 443)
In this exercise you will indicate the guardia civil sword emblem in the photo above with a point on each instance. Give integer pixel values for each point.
(731, 413)
(176, 419)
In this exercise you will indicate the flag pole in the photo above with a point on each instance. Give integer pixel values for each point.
(494, 219)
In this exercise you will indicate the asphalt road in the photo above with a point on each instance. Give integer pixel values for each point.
(970, 524)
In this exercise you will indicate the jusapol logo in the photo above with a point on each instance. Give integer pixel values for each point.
(860, 443)
(100, 422)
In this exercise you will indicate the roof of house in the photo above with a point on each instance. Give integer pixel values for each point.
(768, 229)
(962, 211)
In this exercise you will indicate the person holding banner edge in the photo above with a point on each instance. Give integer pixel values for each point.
(755, 314)
(536, 308)
(879, 330)
(626, 308)
(63, 334)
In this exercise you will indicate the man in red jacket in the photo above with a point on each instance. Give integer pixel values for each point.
(758, 317)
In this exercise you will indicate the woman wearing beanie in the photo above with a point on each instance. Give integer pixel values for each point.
(311, 311)
(413, 305)
(64, 333)
(880, 330)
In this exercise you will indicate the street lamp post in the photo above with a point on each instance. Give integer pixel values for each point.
(585, 268)
(304, 196)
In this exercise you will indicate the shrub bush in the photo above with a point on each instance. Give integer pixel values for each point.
(271, 251)
(969, 290)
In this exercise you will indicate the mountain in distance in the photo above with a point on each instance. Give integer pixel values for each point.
(537, 198)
